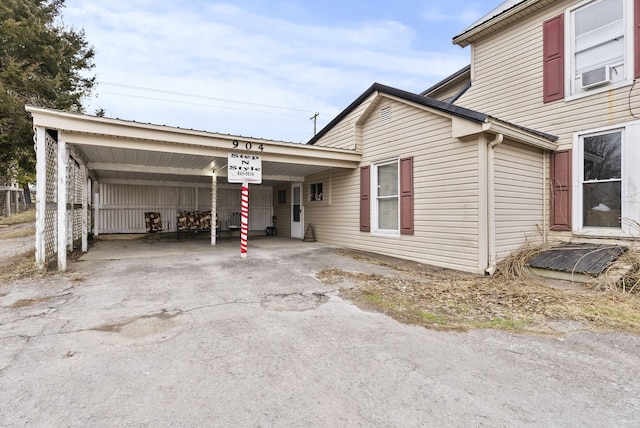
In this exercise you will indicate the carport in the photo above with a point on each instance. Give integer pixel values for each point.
(99, 175)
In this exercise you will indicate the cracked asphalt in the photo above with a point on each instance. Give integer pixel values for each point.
(183, 334)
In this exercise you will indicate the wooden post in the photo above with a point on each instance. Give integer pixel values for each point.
(96, 210)
(17, 200)
(7, 203)
(86, 184)
(62, 205)
(41, 195)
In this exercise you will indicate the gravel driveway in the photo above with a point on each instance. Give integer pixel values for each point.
(183, 334)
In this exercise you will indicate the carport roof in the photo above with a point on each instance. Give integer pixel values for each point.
(115, 149)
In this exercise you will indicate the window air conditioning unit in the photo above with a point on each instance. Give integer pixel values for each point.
(597, 77)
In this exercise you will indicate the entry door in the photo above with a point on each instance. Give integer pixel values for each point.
(297, 216)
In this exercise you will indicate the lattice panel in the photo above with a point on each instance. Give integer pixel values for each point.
(75, 183)
(51, 198)
(77, 224)
(50, 218)
(52, 169)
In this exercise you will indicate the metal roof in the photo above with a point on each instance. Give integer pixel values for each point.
(115, 149)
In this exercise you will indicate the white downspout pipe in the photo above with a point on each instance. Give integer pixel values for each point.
(491, 204)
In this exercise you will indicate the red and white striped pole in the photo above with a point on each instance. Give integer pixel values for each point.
(244, 222)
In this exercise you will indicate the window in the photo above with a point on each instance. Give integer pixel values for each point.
(315, 192)
(386, 197)
(602, 180)
(385, 192)
(600, 40)
(281, 196)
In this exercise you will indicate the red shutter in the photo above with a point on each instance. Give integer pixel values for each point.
(553, 59)
(561, 190)
(636, 37)
(406, 196)
(365, 203)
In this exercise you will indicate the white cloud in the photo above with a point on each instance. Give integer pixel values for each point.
(225, 52)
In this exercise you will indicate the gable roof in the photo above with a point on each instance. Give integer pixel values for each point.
(508, 12)
(441, 106)
(462, 74)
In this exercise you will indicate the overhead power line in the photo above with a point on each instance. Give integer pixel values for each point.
(199, 104)
(182, 94)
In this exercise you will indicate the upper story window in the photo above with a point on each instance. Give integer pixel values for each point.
(600, 39)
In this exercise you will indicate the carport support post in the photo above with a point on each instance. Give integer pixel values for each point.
(244, 222)
(62, 205)
(86, 183)
(41, 194)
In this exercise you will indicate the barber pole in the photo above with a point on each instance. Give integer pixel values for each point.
(244, 168)
(244, 222)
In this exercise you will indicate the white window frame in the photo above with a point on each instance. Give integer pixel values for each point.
(311, 186)
(375, 230)
(572, 85)
(630, 199)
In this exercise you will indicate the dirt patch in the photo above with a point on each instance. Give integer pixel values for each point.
(447, 300)
(29, 302)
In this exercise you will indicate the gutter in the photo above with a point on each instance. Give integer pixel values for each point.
(491, 204)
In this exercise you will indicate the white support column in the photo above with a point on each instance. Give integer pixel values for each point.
(96, 205)
(86, 184)
(71, 201)
(214, 207)
(63, 159)
(197, 205)
(41, 194)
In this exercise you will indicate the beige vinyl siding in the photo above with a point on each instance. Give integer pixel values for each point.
(519, 196)
(343, 135)
(507, 84)
(445, 191)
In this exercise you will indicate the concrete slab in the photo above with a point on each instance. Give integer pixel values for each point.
(128, 247)
(197, 336)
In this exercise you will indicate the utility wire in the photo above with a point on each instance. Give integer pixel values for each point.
(200, 104)
(141, 88)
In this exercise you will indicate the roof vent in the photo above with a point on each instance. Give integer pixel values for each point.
(597, 77)
(385, 114)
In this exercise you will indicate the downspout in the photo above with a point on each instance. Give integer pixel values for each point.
(491, 204)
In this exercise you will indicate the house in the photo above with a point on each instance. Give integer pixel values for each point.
(563, 74)
(535, 140)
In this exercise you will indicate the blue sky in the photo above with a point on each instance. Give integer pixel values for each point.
(262, 68)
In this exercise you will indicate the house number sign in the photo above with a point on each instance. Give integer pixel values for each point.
(246, 145)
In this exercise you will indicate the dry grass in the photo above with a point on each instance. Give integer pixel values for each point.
(511, 300)
(20, 233)
(20, 266)
(28, 216)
